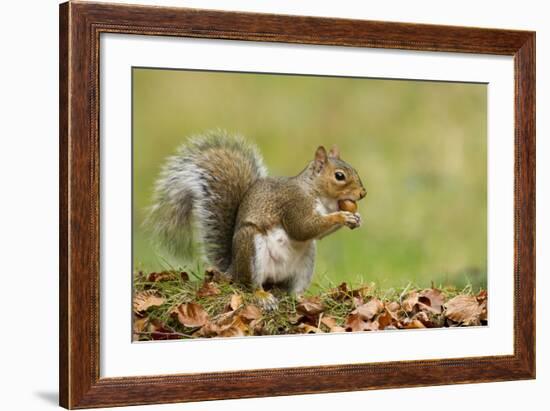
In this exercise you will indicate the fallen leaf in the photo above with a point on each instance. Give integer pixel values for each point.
(310, 306)
(337, 329)
(159, 331)
(464, 309)
(331, 324)
(232, 332)
(413, 324)
(482, 300)
(424, 318)
(354, 322)
(191, 315)
(208, 289)
(368, 310)
(329, 321)
(223, 318)
(309, 329)
(483, 313)
(357, 301)
(360, 292)
(482, 296)
(387, 318)
(393, 306)
(341, 292)
(237, 328)
(409, 304)
(162, 276)
(256, 327)
(228, 327)
(145, 299)
(431, 300)
(250, 312)
(140, 323)
(372, 326)
(139, 326)
(235, 302)
(295, 318)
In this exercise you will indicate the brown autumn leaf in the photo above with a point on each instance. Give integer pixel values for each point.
(360, 292)
(309, 319)
(387, 319)
(235, 302)
(227, 326)
(357, 302)
(337, 329)
(329, 321)
(208, 289)
(295, 318)
(464, 309)
(431, 300)
(146, 299)
(139, 326)
(162, 276)
(482, 296)
(233, 331)
(223, 318)
(237, 328)
(159, 331)
(368, 310)
(482, 300)
(250, 312)
(393, 306)
(256, 327)
(414, 323)
(310, 306)
(341, 292)
(191, 315)
(409, 303)
(209, 329)
(308, 329)
(483, 313)
(354, 322)
(425, 319)
(373, 326)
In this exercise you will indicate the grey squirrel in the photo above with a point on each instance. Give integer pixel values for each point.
(258, 229)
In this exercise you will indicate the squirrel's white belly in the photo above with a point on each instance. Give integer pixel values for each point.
(278, 257)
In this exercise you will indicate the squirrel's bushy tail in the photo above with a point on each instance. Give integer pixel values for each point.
(198, 194)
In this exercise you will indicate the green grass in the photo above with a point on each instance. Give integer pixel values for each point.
(419, 147)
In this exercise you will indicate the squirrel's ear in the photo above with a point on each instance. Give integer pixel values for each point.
(320, 158)
(334, 153)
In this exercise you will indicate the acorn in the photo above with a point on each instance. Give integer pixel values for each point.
(347, 205)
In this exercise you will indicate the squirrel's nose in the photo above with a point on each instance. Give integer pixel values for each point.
(363, 193)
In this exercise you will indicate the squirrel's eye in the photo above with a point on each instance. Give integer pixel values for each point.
(339, 176)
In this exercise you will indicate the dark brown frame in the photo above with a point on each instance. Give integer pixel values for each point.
(80, 27)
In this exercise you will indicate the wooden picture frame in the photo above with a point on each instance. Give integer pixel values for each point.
(80, 27)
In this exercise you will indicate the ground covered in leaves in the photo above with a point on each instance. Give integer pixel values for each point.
(180, 305)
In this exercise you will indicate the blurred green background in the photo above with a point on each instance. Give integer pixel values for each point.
(420, 148)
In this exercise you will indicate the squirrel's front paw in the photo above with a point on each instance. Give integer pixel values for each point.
(266, 300)
(351, 220)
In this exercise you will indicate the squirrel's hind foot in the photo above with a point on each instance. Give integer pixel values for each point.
(265, 300)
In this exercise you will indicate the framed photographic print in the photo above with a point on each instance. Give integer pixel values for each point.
(257, 205)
